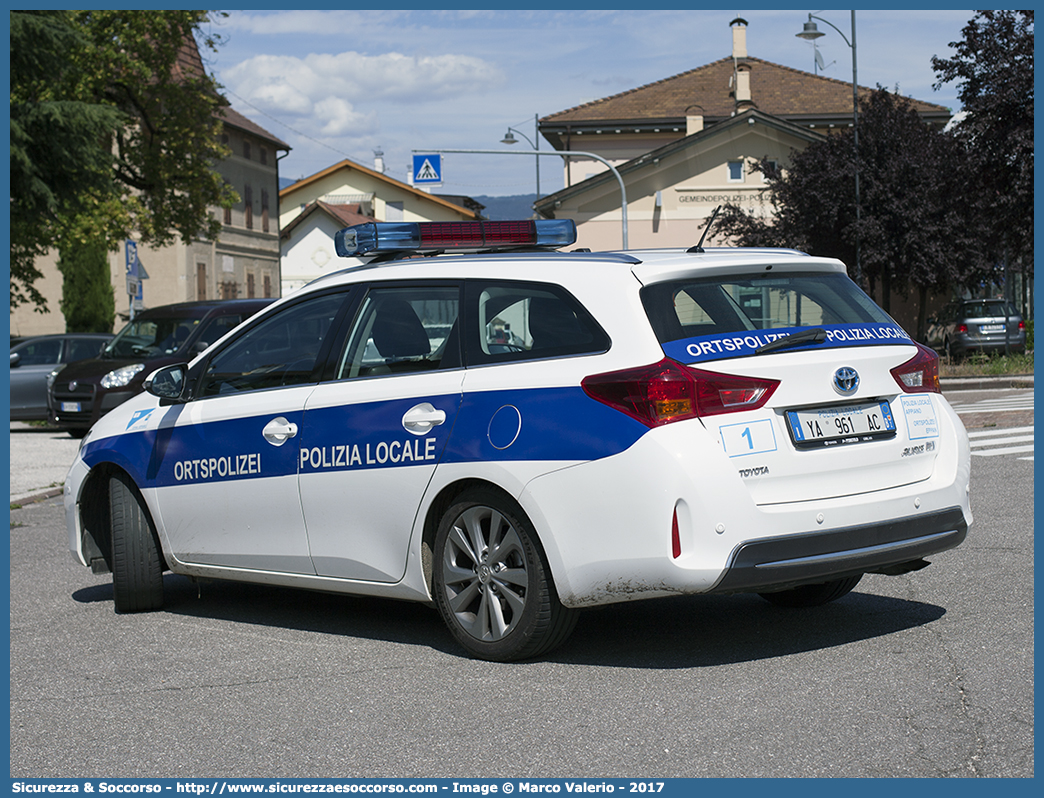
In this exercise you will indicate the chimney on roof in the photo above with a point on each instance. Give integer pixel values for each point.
(739, 38)
(740, 67)
(378, 160)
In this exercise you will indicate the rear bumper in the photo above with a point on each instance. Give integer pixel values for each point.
(787, 561)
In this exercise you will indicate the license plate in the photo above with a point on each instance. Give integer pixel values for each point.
(844, 424)
(991, 328)
(70, 407)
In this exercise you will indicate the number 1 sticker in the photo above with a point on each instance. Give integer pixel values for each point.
(755, 437)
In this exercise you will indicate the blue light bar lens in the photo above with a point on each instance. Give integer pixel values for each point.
(362, 239)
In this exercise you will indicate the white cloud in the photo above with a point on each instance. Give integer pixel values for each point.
(291, 84)
(337, 118)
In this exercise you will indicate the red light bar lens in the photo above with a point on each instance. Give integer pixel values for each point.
(476, 234)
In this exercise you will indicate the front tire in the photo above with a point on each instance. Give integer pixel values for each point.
(137, 565)
(813, 595)
(492, 584)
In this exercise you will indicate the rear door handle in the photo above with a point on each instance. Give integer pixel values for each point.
(278, 431)
(420, 419)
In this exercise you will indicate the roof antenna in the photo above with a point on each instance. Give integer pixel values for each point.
(698, 249)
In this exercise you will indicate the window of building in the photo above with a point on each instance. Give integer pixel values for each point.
(201, 281)
(248, 207)
(735, 171)
(268, 286)
(250, 285)
(394, 211)
(773, 166)
(246, 150)
(263, 155)
(264, 209)
(228, 290)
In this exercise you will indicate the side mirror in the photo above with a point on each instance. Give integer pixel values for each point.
(168, 382)
(15, 359)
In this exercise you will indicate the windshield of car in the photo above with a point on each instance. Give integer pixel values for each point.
(718, 317)
(150, 337)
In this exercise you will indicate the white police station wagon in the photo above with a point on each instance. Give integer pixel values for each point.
(467, 416)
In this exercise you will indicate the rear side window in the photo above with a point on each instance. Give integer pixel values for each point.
(512, 321)
(714, 318)
(403, 330)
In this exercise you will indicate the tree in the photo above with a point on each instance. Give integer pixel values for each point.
(88, 304)
(994, 67)
(137, 136)
(919, 225)
(58, 158)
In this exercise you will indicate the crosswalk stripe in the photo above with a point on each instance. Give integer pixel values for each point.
(999, 431)
(1005, 439)
(994, 442)
(1008, 450)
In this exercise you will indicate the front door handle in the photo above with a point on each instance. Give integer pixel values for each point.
(278, 431)
(421, 418)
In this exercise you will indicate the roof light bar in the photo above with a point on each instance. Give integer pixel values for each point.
(363, 239)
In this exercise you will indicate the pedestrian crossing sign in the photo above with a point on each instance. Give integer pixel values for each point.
(427, 169)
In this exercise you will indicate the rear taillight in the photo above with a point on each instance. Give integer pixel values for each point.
(919, 374)
(1022, 326)
(668, 391)
(962, 328)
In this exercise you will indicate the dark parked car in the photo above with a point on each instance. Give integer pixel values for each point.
(81, 393)
(32, 359)
(977, 325)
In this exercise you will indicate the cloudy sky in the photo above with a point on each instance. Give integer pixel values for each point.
(342, 84)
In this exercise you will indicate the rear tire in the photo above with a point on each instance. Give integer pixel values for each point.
(813, 595)
(492, 584)
(137, 565)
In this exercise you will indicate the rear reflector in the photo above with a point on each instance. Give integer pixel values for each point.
(919, 374)
(668, 391)
(675, 537)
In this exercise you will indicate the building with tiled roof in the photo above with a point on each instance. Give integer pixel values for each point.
(316, 207)
(686, 143)
(306, 241)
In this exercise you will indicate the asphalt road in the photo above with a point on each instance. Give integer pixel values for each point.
(924, 675)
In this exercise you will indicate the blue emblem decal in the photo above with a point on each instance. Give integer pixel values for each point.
(140, 416)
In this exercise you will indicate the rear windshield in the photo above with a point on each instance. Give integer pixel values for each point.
(713, 318)
(983, 310)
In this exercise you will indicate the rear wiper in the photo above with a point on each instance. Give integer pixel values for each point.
(815, 335)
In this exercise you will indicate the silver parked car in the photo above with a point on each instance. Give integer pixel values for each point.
(32, 359)
(977, 325)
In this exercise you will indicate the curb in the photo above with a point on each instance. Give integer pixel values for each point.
(21, 501)
(986, 383)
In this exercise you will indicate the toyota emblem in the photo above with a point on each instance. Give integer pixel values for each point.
(846, 380)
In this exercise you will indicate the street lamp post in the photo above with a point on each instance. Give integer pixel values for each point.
(509, 139)
(811, 32)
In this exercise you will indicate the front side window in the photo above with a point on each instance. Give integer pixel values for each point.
(525, 321)
(402, 331)
(151, 337)
(279, 351)
(40, 353)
